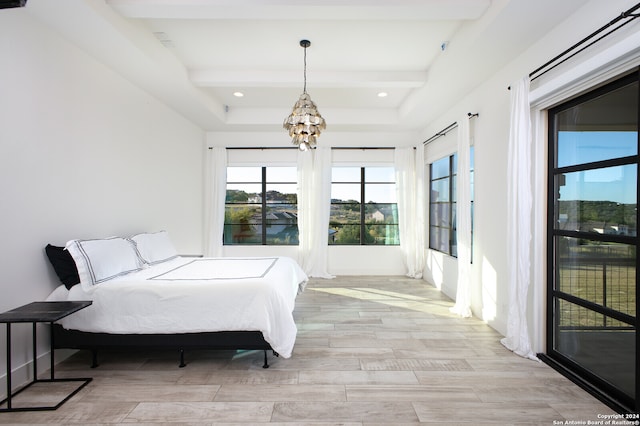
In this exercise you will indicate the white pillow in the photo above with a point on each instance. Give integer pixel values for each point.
(101, 260)
(154, 247)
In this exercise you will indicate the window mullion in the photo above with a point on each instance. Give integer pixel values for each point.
(264, 206)
(451, 212)
(454, 206)
(362, 198)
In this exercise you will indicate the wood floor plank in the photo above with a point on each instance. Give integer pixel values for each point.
(357, 377)
(281, 393)
(384, 412)
(413, 364)
(145, 393)
(498, 413)
(433, 394)
(195, 412)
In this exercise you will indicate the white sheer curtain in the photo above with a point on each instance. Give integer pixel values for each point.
(519, 219)
(314, 207)
(215, 193)
(420, 212)
(539, 165)
(462, 306)
(409, 166)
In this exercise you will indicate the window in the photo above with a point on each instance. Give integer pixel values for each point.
(261, 206)
(442, 205)
(364, 210)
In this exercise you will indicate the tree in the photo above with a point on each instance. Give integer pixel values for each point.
(236, 196)
(348, 234)
(238, 224)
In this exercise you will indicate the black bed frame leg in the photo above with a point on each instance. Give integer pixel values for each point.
(182, 364)
(266, 363)
(94, 358)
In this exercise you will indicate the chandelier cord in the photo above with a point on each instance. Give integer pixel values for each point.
(305, 70)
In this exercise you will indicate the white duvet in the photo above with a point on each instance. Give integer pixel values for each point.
(186, 295)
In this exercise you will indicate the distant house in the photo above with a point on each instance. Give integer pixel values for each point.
(282, 225)
(378, 216)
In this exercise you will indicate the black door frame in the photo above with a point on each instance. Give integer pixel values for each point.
(601, 389)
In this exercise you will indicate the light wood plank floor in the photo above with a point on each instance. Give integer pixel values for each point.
(370, 350)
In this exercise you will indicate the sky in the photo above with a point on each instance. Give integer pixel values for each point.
(616, 184)
(380, 181)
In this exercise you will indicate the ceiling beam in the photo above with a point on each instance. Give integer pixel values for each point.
(431, 10)
(376, 79)
(273, 117)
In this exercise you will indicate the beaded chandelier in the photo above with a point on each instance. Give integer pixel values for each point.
(305, 123)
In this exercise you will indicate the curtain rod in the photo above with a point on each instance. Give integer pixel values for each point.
(293, 147)
(362, 147)
(538, 72)
(442, 132)
(447, 129)
(258, 147)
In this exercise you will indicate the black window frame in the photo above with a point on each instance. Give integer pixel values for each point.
(362, 211)
(264, 222)
(452, 229)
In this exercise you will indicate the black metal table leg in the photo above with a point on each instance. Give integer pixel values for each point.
(35, 355)
(8, 366)
(52, 346)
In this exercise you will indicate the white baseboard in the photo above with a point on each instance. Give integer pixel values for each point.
(23, 374)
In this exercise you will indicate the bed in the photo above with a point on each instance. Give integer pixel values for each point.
(145, 295)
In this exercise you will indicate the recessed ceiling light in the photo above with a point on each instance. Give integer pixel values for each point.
(238, 94)
(383, 94)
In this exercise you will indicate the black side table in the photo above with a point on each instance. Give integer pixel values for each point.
(39, 312)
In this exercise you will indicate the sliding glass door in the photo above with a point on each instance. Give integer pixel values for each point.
(593, 239)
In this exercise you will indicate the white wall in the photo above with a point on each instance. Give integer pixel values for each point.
(490, 137)
(83, 154)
